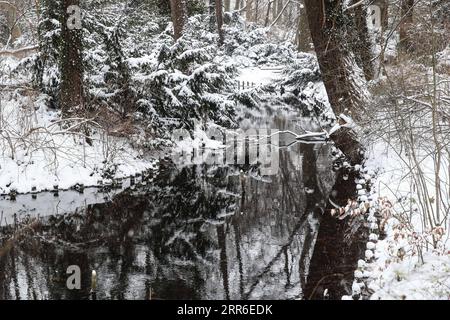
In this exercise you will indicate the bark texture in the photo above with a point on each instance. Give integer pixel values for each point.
(178, 12)
(328, 25)
(71, 61)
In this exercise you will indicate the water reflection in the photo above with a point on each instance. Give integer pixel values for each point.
(195, 232)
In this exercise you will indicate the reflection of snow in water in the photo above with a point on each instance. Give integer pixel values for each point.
(268, 247)
(269, 234)
(47, 203)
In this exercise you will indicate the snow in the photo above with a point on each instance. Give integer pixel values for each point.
(370, 245)
(200, 144)
(48, 204)
(402, 265)
(408, 279)
(38, 153)
(368, 254)
(259, 75)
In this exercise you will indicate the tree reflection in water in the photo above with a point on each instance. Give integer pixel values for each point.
(194, 232)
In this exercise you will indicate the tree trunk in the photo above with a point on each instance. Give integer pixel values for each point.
(219, 18)
(288, 16)
(237, 4)
(269, 6)
(71, 95)
(337, 68)
(249, 11)
(303, 33)
(178, 11)
(405, 43)
(363, 46)
(11, 19)
(274, 9)
(212, 15)
(227, 4)
(280, 6)
(384, 7)
(222, 241)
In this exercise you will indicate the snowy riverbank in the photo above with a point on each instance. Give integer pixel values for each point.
(405, 257)
(39, 151)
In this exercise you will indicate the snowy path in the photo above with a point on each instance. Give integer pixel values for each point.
(260, 75)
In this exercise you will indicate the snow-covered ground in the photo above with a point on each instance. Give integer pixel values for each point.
(412, 261)
(408, 278)
(39, 151)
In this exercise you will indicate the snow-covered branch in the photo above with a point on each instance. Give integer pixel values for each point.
(357, 4)
(19, 53)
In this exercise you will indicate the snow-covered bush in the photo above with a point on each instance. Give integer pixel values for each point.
(251, 44)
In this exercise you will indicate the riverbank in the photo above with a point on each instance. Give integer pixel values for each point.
(41, 151)
(406, 257)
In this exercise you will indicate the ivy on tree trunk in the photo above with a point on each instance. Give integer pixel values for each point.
(328, 24)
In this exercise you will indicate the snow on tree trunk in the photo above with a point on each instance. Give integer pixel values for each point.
(384, 6)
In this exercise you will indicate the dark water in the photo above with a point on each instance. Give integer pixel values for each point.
(196, 232)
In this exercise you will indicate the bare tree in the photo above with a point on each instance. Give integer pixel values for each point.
(12, 14)
(269, 7)
(237, 4)
(407, 12)
(280, 6)
(256, 10)
(274, 9)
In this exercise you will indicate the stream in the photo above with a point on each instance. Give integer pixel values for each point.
(191, 231)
